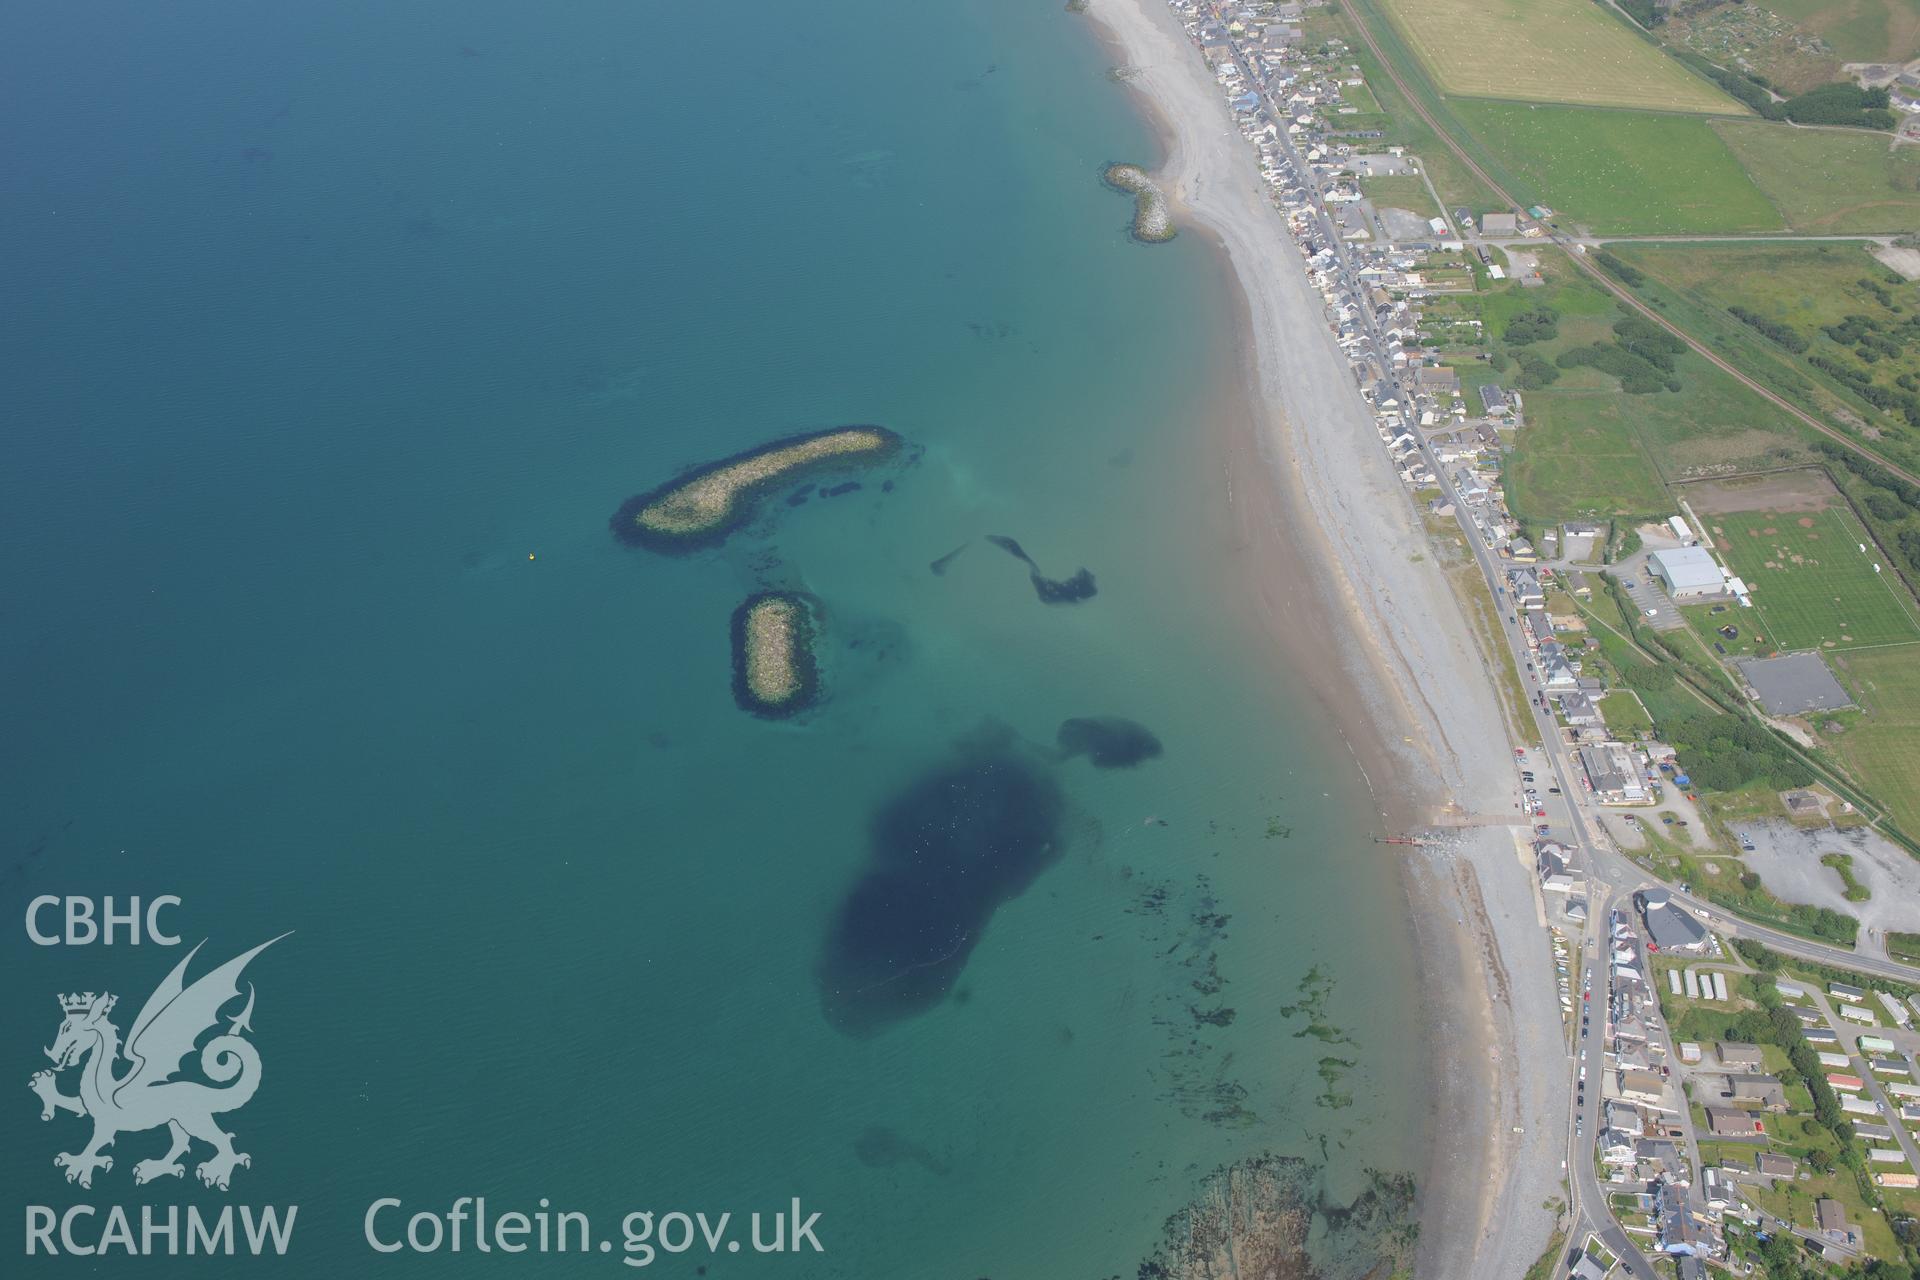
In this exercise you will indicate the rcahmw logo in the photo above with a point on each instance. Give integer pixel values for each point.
(134, 1087)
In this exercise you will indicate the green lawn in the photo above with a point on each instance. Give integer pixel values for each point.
(1707, 623)
(1623, 713)
(1812, 585)
(1795, 1202)
(1623, 172)
(1829, 180)
(1579, 457)
(1400, 192)
(1881, 744)
(1360, 96)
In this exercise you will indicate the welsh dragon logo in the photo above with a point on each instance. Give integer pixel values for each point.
(145, 1095)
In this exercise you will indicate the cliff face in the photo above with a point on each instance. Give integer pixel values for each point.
(1252, 1220)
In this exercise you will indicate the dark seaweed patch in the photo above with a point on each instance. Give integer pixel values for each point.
(1065, 590)
(946, 852)
(1013, 549)
(1110, 742)
(939, 567)
(1050, 590)
(882, 1148)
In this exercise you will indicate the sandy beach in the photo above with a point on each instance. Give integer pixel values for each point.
(1307, 470)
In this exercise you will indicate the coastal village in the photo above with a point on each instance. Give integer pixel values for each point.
(1384, 285)
(1738, 1095)
(1703, 1139)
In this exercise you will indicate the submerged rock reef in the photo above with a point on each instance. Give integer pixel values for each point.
(1152, 220)
(881, 1148)
(1254, 1218)
(703, 506)
(1110, 742)
(968, 834)
(775, 674)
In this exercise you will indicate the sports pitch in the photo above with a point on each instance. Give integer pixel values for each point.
(1812, 585)
(1548, 51)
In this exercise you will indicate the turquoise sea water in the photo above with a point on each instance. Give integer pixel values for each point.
(332, 336)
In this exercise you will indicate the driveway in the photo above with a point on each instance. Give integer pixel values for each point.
(1647, 594)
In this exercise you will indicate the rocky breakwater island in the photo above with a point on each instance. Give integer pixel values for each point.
(704, 506)
(774, 672)
(1152, 220)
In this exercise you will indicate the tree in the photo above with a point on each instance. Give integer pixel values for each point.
(1885, 504)
(1910, 546)
(1781, 1255)
(1535, 372)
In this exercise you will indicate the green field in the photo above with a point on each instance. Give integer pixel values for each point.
(1578, 457)
(1623, 173)
(1624, 715)
(1587, 448)
(1830, 181)
(1812, 585)
(1400, 193)
(1604, 453)
(1882, 746)
(1360, 97)
(1859, 30)
(1547, 51)
(1807, 287)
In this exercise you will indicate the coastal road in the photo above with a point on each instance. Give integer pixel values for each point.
(1607, 867)
(1587, 1204)
(1787, 943)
